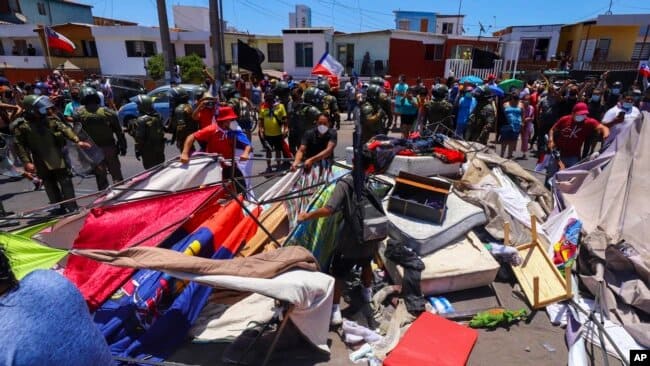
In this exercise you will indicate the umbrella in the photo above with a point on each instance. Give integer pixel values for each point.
(472, 80)
(495, 90)
(511, 83)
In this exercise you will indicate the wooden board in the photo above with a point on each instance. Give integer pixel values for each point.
(420, 185)
(275, 220)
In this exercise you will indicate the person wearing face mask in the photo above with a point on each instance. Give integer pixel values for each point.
(621, 116)
(644, 106)
(569, 133)
(40, 137)
(72, 106)
(613, 94)
(223, 138)
(399, 92)
(317, 144)
(466, 105)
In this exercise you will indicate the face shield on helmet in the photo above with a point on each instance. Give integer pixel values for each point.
(42, 104)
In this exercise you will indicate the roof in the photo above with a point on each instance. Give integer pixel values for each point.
(307, 30)
(75, 3)
(110, 21)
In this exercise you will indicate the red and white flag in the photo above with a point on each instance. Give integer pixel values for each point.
(327, 66)
(58, 41)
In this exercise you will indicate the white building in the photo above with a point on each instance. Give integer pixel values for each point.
(529, 42)
(15, 40)
(301, 18)
(303, 48)
(450, 24)
(191, 18)
(124, 50)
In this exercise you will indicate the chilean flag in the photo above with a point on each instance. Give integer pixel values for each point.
(58, 41)
(644, 70)
(327, 66)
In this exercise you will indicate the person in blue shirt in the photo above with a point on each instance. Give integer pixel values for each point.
(513, 111)
(409, 108)
(399, 91)
(45, 321)
(73, 105)
(466, 105)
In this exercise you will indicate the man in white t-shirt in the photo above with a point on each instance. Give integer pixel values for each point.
(621, 116)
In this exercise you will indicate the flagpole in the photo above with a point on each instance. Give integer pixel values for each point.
(47, 49)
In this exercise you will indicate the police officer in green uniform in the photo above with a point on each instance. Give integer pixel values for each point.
(330, 104)
(372, 117)
(40, 137)
(182, 124)
(483, 118)
(384, 100)
(148, 133)
(283, 92)
(242, 106)
(439, 109)
(102, 126)
(306, 116)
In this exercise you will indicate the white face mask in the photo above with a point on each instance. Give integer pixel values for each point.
(322, 129)
(580, 117)
(234, 125)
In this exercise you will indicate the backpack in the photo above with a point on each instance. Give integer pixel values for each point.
(245, 112)
(366, 217)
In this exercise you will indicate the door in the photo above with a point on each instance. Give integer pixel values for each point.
(424, 25)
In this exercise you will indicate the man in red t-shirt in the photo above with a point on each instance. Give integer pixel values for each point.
(204, 111)
(569, 133)
(221, 138)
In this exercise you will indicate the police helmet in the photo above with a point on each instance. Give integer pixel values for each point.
(144, 103)
(88, 95)
(179, 95)
(228, 89)
(373, 92)
(313, 96)
(377, 80)
(324, 85)
(440, 91)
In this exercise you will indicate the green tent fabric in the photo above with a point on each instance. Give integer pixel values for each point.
(506, 85)
(29, 231)
(26, 255)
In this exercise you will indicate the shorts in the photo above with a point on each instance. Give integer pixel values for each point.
(341, 266)
(275, 142)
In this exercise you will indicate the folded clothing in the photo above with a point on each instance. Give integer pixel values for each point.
(449, 156)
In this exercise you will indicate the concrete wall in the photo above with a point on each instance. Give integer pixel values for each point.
(11, 32)
(377, 45)
(111, 48)
(56, 12)
(457, 21)
(191, 18)
(511, 47)
(319, 41)
(623, 38)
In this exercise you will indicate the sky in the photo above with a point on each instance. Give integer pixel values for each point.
(271, 16)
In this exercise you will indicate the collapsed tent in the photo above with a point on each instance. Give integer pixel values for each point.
(607, 195)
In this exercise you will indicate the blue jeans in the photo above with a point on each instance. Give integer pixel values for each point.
(351, 105)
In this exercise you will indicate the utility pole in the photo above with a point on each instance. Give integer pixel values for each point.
(164, 40)
(215, 38)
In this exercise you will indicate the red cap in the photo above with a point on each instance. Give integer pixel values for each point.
(580, 108)
(226, 114)
(491, 77)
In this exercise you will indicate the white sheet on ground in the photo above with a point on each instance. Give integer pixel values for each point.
(223, 323)
(310, 292)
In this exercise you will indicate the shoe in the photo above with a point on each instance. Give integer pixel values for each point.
(337, 318)
(38, 183)
(268, 170)
(353, 338)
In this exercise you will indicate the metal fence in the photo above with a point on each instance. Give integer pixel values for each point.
(461, 68)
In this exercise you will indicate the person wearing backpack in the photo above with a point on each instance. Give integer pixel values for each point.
(364, 226)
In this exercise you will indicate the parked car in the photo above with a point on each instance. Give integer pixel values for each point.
(124, 89)
(129, 111)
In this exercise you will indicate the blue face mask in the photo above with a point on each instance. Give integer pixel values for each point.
(627, 106)
(616, 91)
(595, 98)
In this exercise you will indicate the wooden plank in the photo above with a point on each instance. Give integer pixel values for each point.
(420, 185)
(506, 234)
(535, 291)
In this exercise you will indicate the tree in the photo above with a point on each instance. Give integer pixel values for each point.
(156, 67)
(191, 68)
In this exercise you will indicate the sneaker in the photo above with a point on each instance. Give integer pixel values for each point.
(337, 318)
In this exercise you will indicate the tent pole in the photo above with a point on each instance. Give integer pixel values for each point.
(285, 320)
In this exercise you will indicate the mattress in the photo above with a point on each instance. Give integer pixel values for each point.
(425, 237)
(461, 265)
(420, 165)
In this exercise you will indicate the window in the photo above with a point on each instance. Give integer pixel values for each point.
(602, 49)
(140, 48)
(19, 48)
(274, 52)
(462, 52)
(403, 24)
(89, 48)
(641, 52)
(447, 28)
(41, 8)
(304, 54)
(196, 48)
(569, 48)
(433, 52)
(527, 49)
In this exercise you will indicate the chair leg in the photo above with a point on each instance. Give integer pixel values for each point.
(267, 358)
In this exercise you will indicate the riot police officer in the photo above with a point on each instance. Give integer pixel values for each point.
(306, 116)
(439, 109)
(372, 117)
(148, 133)
(330, 104)
(40, 137)
(483, 118)
(242, 106)
(283, 93)
(181, 123)
(102, 126)
(384, 100)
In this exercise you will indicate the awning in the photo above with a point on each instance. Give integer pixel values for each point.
(67, 65)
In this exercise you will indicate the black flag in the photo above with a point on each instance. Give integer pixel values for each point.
(483, 59)
(250, 58)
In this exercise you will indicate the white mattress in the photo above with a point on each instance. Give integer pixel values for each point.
(425, 237)
(420, 165)
(462, 265)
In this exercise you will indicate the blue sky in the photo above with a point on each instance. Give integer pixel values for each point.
(270, 16)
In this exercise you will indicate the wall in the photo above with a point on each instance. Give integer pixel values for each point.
(621, 46)
(11, 32)
(414, 18)
(261, 42)
(376, 44)
(180, 39)
(77, 34)
(473, 41)
(57, 12)
(457, 21)
(111, 48)
(519, 33)
(407, 57)
(319, 45)
(191, 18)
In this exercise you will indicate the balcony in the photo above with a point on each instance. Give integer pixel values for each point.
(370, 68)
(23, 62)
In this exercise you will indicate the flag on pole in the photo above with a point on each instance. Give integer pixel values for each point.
(58, 41)
(327, 66)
